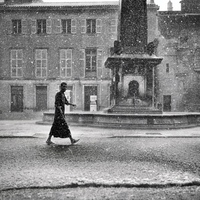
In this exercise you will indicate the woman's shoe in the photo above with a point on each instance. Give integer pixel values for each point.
(75, 141)
(49, 142)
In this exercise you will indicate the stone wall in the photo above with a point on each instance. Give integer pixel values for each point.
(179, 45)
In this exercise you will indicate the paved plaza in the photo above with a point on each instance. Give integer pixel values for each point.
(157, 162)
(30, 128)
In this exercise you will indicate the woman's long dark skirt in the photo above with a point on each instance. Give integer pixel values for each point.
(60, 128)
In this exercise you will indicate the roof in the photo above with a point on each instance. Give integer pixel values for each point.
(64, 5)
(58, 4)
(69, 4)
(44, 6)
(177, 13)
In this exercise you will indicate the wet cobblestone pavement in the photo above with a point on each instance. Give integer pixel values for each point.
(132, 162)
(101, 193)
(120, 167)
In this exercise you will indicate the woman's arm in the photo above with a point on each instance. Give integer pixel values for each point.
(69, 104)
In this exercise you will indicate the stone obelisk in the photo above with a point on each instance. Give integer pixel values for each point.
(133, 69)
(133, 26)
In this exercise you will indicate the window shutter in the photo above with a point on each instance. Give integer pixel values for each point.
(73, 24)
(113, 26)
(98, 26)
(33, 26)
(20, 66)
(82, 63)
(58, 26)
(9, 27)
(69, 64)
(49, 26)
(83, 26)
(24, 27)
(99, 62)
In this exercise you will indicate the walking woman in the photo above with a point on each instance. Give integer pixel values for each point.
(60, 127)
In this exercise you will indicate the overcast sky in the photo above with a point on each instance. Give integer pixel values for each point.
(161, 3)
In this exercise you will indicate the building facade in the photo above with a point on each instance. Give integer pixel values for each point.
(44, 44)
(179, 45)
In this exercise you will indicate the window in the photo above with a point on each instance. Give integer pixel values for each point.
(91, 25)
(91, 63)
(113, 26)
(41, 62)
(41, 26)
(16, 26)
(91, 60)
(66, 26)
(66, 62)
(167, 68)
(16, 62)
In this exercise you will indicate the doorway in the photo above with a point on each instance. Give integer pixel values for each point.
(88, 91)
(41, 98)
(167, 103)
(16, 98)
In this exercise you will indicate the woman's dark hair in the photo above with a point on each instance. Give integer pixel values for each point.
(63, 83)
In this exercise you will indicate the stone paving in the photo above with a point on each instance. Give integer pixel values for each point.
(90, 163)
(32, 163)
(29, 128)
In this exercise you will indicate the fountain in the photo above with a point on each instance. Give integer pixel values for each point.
(133, 63)
(133, 88)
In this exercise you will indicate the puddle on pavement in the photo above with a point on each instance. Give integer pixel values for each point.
(196, 134)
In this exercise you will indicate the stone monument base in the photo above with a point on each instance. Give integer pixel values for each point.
(132, 110)
(128, 121)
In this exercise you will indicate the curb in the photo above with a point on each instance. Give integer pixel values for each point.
(164, 136)
(15, 136)
(122, 127)
(107, 185)
(120, 136)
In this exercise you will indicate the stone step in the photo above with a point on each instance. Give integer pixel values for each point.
(129, 120)
(132, 109)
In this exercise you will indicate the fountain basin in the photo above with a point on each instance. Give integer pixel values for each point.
(129, 121)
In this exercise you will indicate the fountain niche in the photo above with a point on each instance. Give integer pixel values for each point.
(133, 63)
(133, 89)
